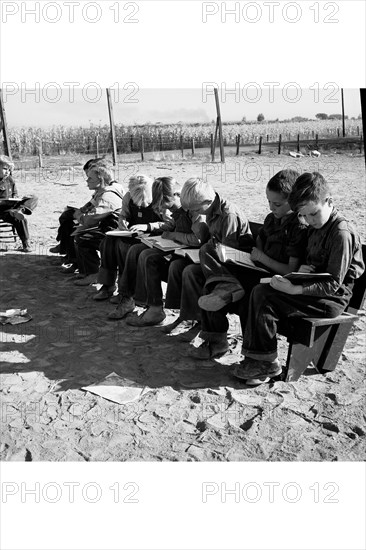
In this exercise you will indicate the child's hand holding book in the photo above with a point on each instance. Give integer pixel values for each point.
(284, 285)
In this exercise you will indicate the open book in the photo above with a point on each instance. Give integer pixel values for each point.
(167, 245)
(239, 257)
(298, 277)
(123, 233)
(190, 253)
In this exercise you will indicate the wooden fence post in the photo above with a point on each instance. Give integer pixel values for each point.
(112, 127)
(338, 132)
(343, 120)
(211, 141)
(142, 148)
(279, 144)
(298, 143)
(97, 144)
(358, 130)
(182, 145)
(193, 149)
(219, 125)
(237, 144)
(3, 126)
(40, 160)
(160, 142)
(267, 137)
(260, 146)
(214, 143)
(131, 142)
(316, 141)
(361, 142)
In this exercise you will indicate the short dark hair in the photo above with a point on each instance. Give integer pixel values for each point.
(309, 187)
(103, 161)
(283, 182)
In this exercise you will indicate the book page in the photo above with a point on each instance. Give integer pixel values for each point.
(191, 253)
(160, 243)
(229, 254)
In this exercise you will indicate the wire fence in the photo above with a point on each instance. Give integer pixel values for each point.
(62, 140)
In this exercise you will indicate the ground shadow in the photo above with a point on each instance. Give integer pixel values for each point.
(73, 343)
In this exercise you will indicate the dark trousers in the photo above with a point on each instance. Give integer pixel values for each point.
(192, 284)
(20, 226)
(152, 269)
(268, 308)
(66, 227)
(173, 296)
(213, 269)
(127, 279)
(87, 252)
(113, 251)
(216, 272)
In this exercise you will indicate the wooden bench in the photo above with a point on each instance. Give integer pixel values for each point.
(7, 233)
(320, 340)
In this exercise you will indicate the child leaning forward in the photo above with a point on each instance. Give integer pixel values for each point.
(280, 248)
(334, 247)
(166, 200)
(137, 213)
(153, 267)
(226, 225)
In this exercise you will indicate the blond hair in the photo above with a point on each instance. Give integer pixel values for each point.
(104, 173)
(140, 188)
(195, 191)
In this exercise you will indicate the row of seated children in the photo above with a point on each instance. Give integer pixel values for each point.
(210, 290)
(331, 245)
(14, 214)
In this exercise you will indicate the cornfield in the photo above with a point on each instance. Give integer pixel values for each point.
(61, 140)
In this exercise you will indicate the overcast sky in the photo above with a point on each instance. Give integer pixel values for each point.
(80, 107)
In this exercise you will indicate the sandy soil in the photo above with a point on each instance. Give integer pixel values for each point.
(194, 410)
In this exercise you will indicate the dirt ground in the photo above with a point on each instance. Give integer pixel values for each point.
(193, 411)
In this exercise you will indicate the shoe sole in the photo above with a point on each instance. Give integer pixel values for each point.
(97, 298)
(142, 324)
(210, 356)
(113, 318)
(259, 379)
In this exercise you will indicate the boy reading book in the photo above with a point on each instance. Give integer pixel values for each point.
(226, 225)
(279, 248)
(334, 247)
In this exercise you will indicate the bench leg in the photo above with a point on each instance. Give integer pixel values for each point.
(333, 347)
(300, 356)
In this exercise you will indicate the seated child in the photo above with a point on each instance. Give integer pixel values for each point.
(280, 247)
(226, 225)
(68, 223)
(166, 200)
(334, 247)
(107, 199)
(137, 213)
(153, 266)
(14, 214)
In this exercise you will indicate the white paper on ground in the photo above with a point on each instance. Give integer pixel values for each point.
(117, 389)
